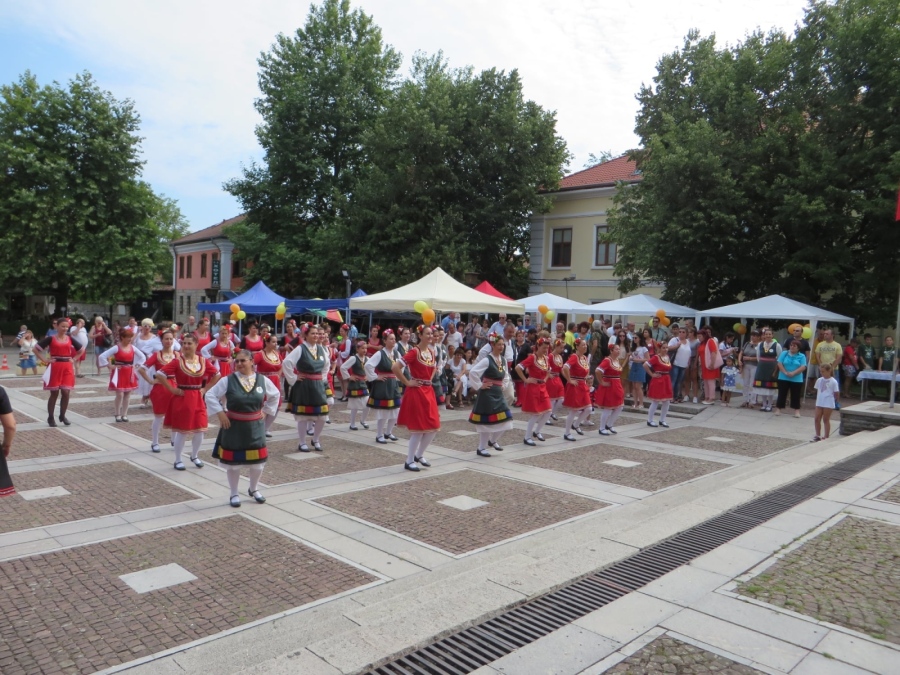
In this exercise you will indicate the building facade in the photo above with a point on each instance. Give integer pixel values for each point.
(567, 256)
(205, 268)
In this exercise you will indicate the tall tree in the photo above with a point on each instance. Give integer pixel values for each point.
(74, 216)
(769, 167)
(321, 90)
(170, 224)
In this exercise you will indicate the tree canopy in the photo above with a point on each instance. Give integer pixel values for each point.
(772, 166)
(75, 218)
(389, 177)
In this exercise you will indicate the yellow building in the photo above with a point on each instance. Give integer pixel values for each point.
(566, 257)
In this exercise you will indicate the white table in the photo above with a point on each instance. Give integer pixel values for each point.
(883, 375)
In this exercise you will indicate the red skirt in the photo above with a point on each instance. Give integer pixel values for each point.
(535, 399)
(225, 368)
(660, 388)
(159, 398)
(419, 411)
(578, 396)
(62, 376)
(127, 380)
(612, 396)
(555, 388)
(187, 413)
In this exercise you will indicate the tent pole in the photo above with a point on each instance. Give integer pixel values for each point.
(813, 327)
(893, 388)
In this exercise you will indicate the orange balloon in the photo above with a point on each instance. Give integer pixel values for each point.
(665, 321)
(235, 308)
(543, 309)
(661, 314)
(428, 316)
(741, 329)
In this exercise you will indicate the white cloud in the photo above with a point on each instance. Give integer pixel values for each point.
(191, 67)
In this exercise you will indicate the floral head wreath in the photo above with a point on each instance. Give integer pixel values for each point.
(421, 328)
(345, 326)
(376, 328)
(493, 338)
(386, 332)
(558, 342)
(542, 341)
(303, 327)
(436, 326)
(578, 341)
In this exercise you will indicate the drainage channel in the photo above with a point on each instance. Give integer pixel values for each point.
(479, 645)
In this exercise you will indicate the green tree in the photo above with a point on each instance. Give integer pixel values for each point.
(75, 219)
(601, 158)
(322, 88)
(170, 224)
(769, 167)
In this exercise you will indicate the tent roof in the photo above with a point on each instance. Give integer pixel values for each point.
(641, 305)
(556, 303)
(258, 300)
(442, 292)
(486, 287)
(775, 307)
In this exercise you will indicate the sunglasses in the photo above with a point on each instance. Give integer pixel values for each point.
(241, 360)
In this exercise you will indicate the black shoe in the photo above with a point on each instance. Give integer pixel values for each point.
(316, 446)
(124, 419)
(663, 424)
(424, 462)
(538, 436)
(365, 425)
(303, 447)
(353, 427)
(257, 496)
(529, 441)
(381, 439)
(235, 501)
(411, 467)
(51, 421)
(118, 419)
(579, 431)
(62, 418)
(652, 424)
(554, 417)
(569, 437)
(391, 437)
(611, 430)
(482, 453)
(179, 466)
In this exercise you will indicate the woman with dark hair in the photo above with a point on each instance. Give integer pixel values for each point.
(374, 344)
(59, 378)
(353, 373)
(220, 352)
(252, 341)
(159, 395)
(710, 364)
(766, 382)
(306, 369)
(534, 398)
(384, 388)
(555, 388)
(577, 398)
(791, 365)
(609, 395)
(419, 412)
(269, 362)
(203, 335)
(659, 391)
(490, 413)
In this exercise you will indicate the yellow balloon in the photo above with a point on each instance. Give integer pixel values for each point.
(420, 306)
(807, 332)
(543, 309)
(241, 315)
(549, 316)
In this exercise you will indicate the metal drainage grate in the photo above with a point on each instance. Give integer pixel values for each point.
(469, 649)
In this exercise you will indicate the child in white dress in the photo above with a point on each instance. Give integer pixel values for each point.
(828, 393)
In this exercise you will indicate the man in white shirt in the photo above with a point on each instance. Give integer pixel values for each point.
(499, 326)
(451, 318)
(509, 334)
(680, 363)
(454, 337)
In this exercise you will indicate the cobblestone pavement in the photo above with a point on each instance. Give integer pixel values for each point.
(848, 575)
(748, 445)
(105, 408)
(81, 391)
(461, 435)
(287, 465)
(891, 494)
(142, 428)
(20, 382)
(411, 508)
(47, 443)
(668, 655)
(68, 611)
(656, 470)
(99, 490)
(22, 418)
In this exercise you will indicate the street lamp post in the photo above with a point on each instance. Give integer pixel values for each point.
(567, 280)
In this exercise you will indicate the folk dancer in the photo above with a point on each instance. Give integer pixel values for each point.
(219, 352)
(419, 411)
(160, 396)
(148, 343)
(122, 359)
(491, 413)
(59, 378)
(268, 362)
(609, 395)
(187, 377)
(577, 398)
(659, 391)
(384, 389)
(556, 390)
(305, 368)
(353, 374)
(250, 398)
(534, 399)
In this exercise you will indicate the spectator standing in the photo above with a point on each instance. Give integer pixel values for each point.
(888, 354)
(747, 363)
(827, 400)
(791, 365)
(680, 348)
(100, 336)
(710, 364)
(637, 376)
(766, 381)
(27, 359)
(657, 332)
(497, 326)
(849, 365)
(79, 332)
(828, 351)
(730, 375)
(868, 355)
(691, 388)
(453, 338)
(8, 421)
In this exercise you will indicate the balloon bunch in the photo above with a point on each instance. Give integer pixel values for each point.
(547, 313)
(663, 319)
(740, 328)
(806, 331)
(280, 311)
(427, 313)
(237, 314)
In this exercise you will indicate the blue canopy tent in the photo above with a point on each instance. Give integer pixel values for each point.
(302, 305)
(258, 300)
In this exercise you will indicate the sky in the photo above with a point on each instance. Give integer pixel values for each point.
(190, 66)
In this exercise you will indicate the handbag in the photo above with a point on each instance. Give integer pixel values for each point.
(717, 361)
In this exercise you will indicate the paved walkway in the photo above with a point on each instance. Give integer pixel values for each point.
(111, 559)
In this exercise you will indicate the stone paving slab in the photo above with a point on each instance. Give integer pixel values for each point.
(447, 439)
(99, 490)
(142, 429)
(47, 443)
(20, 382)
(105, 408)
(668, 655)
(891, 494)
(69, 612)
(411, 508)
(22, 418)
(849, 575)
(84, 391)
(748, 445)
(339, 456)
(655, 470)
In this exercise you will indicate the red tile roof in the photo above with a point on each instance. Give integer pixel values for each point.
(602, 175)
(209, 232)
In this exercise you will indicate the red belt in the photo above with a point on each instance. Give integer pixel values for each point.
(244, 417)
(389, 376)
(60, 359)
(492, 383)
(190, 386)
(310, 376)
(552, 375)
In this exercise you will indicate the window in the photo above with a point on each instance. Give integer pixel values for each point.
(215, 256)
(561, 253)
(237, 268)
(181, 267)
(605, 254)
(181, 304)
(190, 259)
(202, 265)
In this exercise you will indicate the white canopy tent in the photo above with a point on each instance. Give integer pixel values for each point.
(641, 305)
(556, 303)
(442, 292)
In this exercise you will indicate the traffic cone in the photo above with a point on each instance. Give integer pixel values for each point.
(5, 365)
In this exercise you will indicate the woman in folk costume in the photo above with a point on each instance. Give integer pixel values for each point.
(534, 399)
(250, 398)
(403, 346)
(346, 348)
(253, 341)
(374, 343)
(122, 359)
(384, 388)
(148, 343)
(556, 389)
(203, 334)
(306, 368)
(353, 374)
(220, 352)
(577, 373)
(609, 395)
(59, 378)
(159, 395)
(765, 386)
(419, 412)
(333, 358)
(440, 359)
(659, 391)
(187, 377)
(268, 363)
(490, 413)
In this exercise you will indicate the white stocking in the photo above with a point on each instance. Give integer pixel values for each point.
(196, 442)
(414, 439)
(380, 432)
(651, 410)
(317, 428)
(530, 428)
(484, 437)
(424, 443)
(495, 437)
(664, 410)
(353, 418)
(570, 418)
(365, 413)
(583, 416)
(604, 417)
(126, 399)
(542, 420)
(389, 425)
(178, 441)
(270, 420)
(118, 404)
(301, 429)
(155, 427)
(614, 415)
(234, 478)
(255, 474)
